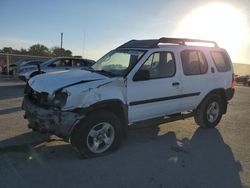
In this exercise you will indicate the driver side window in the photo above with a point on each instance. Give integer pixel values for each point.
(160, 65)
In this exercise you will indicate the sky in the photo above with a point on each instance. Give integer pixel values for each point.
(92, 28)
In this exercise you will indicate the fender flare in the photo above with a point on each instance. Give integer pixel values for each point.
(222, 93)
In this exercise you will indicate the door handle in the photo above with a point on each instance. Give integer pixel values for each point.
(67, 68)
(175, 83)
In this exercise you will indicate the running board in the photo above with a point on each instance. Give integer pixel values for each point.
(163, 119)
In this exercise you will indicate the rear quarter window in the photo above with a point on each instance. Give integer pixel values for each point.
(221, 61)
(193, 62)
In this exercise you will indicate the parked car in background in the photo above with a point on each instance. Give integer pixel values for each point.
(243, 80)
(31, 62)
(53, 65)
(12, 67)
(26, 64)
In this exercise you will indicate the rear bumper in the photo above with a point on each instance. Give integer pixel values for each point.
(50, 120)
(229, 93)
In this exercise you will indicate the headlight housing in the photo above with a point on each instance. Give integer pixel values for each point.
(60, 99)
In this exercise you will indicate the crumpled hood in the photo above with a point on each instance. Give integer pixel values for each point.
(51, 82)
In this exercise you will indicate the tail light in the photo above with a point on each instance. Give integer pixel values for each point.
(233, 81)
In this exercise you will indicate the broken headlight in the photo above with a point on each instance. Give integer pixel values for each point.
(60, 99)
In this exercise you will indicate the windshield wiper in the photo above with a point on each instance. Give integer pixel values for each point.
(88, 69)
(105, 73)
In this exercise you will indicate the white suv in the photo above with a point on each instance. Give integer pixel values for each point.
(168, 78)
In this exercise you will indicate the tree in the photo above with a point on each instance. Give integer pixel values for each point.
(23, 51)
(68, 53)
(8, 50)
(39, 50)
(56, 51)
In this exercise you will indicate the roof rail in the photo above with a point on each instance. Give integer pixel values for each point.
(140, 44)
(184, 40)
(153, 43)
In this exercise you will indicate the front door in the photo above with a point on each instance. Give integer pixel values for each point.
(155, 93)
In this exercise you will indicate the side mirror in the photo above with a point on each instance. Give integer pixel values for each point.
(141, 75)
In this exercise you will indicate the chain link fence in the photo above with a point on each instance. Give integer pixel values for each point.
(9, 63)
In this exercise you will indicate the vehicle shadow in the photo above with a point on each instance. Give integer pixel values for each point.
(10, 92)
(146, 159)
(210, 160)
(43, 145)
(9, 110)
(205, 160)
(23, 143)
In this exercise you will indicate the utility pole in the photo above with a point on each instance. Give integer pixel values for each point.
(61, 42)
(8, 64)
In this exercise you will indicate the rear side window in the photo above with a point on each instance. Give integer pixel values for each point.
(193, 62)
(221, 61)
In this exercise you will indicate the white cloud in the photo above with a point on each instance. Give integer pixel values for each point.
(15, 43)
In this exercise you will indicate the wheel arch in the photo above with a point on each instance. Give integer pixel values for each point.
(220, 92)
(115, 106)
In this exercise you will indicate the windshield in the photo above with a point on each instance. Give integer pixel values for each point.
(49, 61)
(118, 62)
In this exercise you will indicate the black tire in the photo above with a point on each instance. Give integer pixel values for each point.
(201, 117)
(79, 137)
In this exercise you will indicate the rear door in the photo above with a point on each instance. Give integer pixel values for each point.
(158, 95)
(197, 77)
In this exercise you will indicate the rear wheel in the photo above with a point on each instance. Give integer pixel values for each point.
(99, 134)
(209, 113)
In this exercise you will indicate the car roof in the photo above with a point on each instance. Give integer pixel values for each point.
(156, 43)
(67, 58)
(76, 58)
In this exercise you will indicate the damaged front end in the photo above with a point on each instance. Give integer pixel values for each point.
(45, 115)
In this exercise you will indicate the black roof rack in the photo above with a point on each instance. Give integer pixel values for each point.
(153, 43)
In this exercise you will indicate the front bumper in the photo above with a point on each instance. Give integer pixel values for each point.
(50, 120)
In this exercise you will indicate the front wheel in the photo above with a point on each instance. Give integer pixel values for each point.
(99, 134)
(209, 113)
